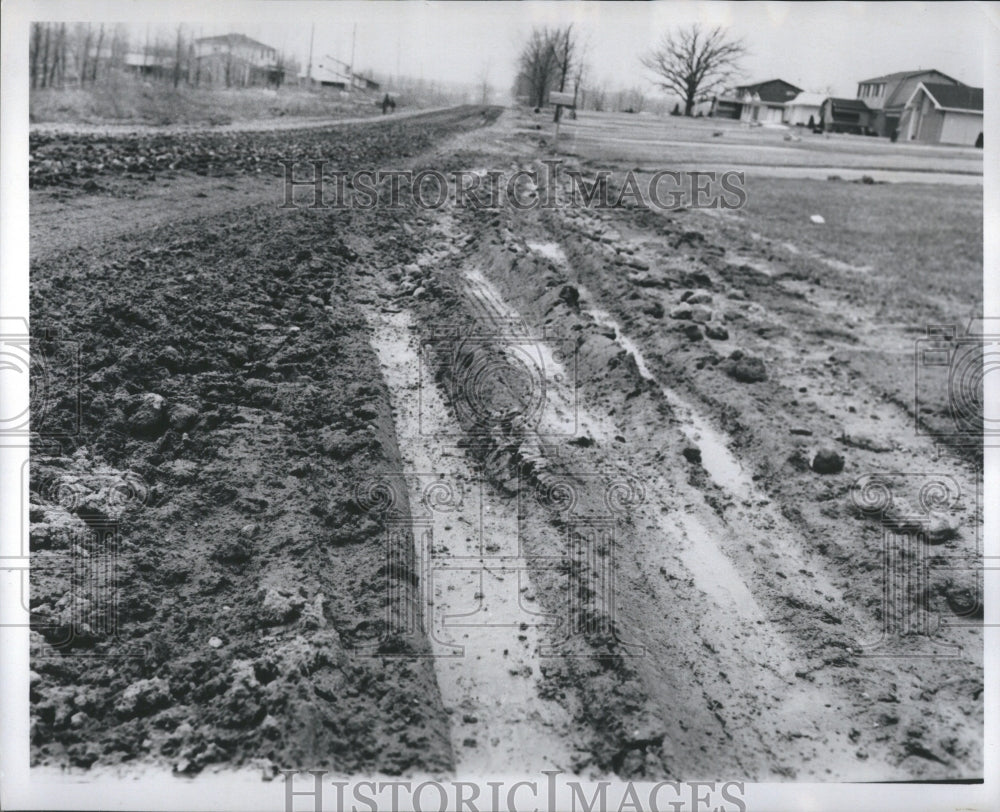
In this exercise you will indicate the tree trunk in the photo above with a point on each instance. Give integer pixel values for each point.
(45, 57)
(97, 56)
(36, 44)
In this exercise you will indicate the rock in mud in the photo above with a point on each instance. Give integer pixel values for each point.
(745, 368)
(681, 311)
(144, 697)
(827, 461)
(655, 310)
(692, 453)
(717, 332)
(692, 332)
(570, 295)
(150, 416)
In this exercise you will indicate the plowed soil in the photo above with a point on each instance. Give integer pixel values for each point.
(469, 490)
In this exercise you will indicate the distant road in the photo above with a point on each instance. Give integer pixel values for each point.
(250, 125)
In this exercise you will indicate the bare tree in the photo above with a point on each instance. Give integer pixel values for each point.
(546, 59)
(695, 63)
(485, 88)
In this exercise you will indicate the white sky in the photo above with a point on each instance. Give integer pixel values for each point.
(812, 45)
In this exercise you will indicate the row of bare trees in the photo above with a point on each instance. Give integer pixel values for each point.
(61, 53)
(72, 54)
(694, 63)
(549, 60)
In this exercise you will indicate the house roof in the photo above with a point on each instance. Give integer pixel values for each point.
(900, 75)
(808, 99)
(951, 97)
(771, 90)
(853, 105)
(236, 39)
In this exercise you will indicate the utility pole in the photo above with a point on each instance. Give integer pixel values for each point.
(309, 69)
(354, 37)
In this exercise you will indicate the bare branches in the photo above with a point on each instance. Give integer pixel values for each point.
(547, 60)
(695, 63)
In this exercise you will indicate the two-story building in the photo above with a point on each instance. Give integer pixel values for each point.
(236, 59)
(886, 96)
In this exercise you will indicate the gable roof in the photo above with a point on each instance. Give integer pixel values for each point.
(771, 90)
(900, 75)
(852, 105)
(236, 39)
(809, 99)
(950, 97)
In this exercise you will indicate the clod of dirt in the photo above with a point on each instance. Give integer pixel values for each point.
(277, 608)
(827, 461)
(150, 415)
(655, 310)
(701, 313)
(144, 697)
(692, 454)
(745, 368)
(694, 297)
(182, 417)
(692, 332)
(570, 295)
(681, 311)
(940, 527)
(865, 441)
(717, 332)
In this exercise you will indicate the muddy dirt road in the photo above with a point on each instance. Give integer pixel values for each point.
(484, 490)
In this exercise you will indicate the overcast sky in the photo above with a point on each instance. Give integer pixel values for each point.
(813, 45)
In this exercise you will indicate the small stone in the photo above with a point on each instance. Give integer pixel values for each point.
(716, 332)
(215, 642)
(681, 311)
(570, 295)
(692, 454)
(702, 297)
(419, 292)
(150, 415)
(827, 461)
(655, 310)
(692, 332)
(745, 368)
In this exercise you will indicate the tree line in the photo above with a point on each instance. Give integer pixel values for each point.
(75, 54)
(694, 63)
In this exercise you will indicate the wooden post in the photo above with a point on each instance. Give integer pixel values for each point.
(560, 100)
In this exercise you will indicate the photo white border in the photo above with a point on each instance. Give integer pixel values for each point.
(154, 789)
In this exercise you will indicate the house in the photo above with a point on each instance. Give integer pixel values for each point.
(804, 109)
(236, 59)
(887, 95)
(845, 116)
(148, 64)
(761, 102)
(333, 73)
(943, 114)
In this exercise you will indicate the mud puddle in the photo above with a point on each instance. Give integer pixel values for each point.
(486, 656)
